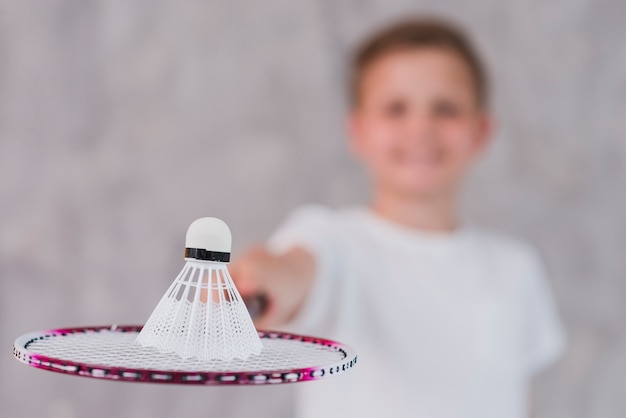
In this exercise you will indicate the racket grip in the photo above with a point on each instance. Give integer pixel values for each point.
(256, 304)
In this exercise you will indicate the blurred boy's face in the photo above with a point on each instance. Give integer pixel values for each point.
(418, 125)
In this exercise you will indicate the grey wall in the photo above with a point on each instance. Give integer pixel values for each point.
(122, 121)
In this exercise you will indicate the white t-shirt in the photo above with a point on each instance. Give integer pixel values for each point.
(445, 325)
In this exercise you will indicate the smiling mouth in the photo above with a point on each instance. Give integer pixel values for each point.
(420, 161)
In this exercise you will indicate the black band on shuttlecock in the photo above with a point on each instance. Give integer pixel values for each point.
(205, 255)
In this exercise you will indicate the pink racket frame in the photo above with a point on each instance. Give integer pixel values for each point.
(23, 354)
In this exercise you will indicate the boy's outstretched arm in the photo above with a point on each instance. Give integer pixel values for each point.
(283, 280)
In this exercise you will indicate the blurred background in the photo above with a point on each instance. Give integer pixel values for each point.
(122, 121)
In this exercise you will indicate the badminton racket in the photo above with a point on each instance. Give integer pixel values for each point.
(110, 353)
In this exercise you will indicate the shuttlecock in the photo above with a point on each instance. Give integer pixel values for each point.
(202, 314)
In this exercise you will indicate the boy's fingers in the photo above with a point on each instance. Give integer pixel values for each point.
(249, 272)
(246, 278)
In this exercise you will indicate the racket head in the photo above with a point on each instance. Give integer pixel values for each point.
(110, 353)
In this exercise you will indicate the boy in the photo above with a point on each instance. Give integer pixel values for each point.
(449, 321)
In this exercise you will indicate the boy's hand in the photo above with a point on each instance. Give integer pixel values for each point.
(281, 281)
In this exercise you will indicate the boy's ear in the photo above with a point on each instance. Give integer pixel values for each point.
(355, 133)
(485, 132)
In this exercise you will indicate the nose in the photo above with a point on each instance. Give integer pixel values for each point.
(420, 125)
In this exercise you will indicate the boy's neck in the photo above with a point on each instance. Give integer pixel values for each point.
(430, 213)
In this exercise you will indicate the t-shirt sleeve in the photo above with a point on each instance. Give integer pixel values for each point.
(312, 228)
(544, 334)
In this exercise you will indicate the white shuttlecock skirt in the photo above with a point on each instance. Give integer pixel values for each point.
(202, 316)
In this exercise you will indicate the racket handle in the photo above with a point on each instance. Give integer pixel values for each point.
(256, 304)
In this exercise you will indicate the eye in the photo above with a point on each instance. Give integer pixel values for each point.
(446, 109)
(396, 108)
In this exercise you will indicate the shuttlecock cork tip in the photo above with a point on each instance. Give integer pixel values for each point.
(208, 239)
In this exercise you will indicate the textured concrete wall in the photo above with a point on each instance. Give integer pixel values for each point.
(122, 121)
